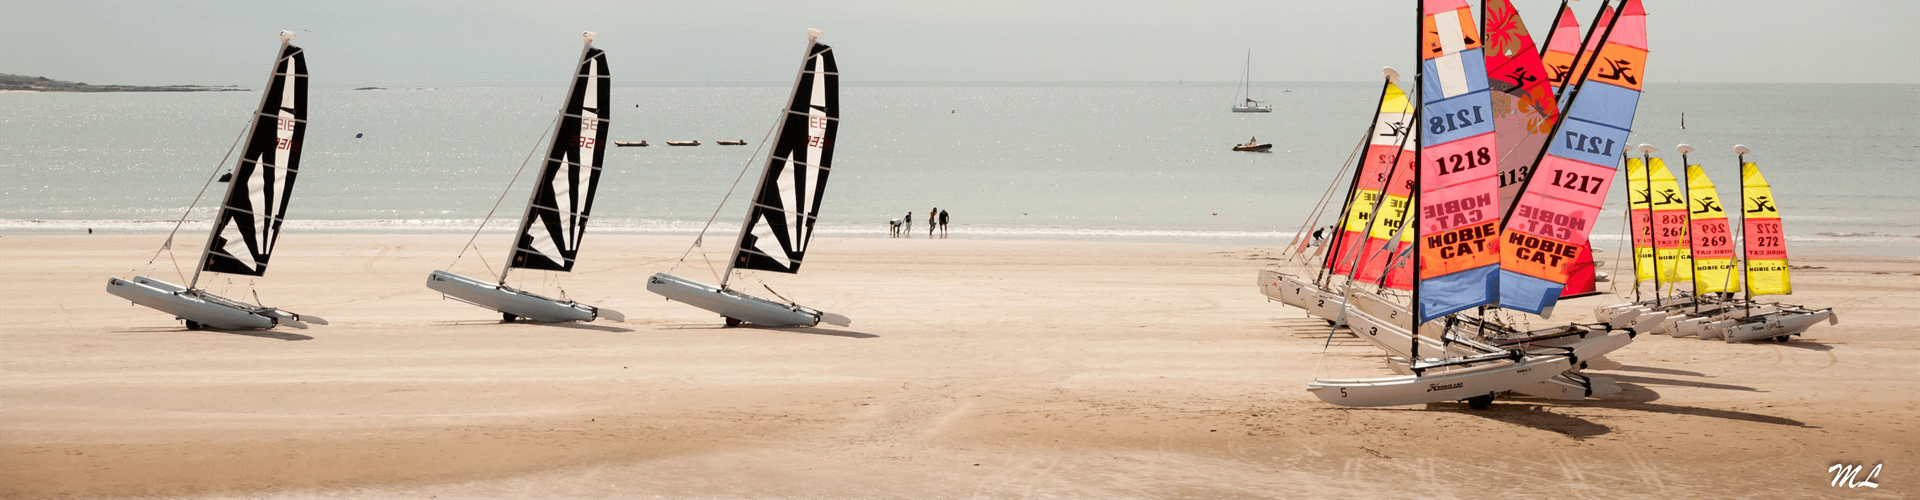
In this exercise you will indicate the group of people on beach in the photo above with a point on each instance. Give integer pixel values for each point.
(903, 226)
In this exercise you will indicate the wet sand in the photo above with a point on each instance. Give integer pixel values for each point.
(973, 369)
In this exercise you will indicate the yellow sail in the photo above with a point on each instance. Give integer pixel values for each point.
(1670, 226)
(1639, 215)
(1711, 237)
(1765, 239)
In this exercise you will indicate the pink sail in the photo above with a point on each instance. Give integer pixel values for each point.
(1459, 189)
(1562, 44)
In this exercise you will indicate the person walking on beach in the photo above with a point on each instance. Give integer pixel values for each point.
(909, 223)
(933, 216)
(943, 224)
(894, 228)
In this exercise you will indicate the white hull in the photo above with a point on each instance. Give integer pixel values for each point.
(1253, 109)
(1779, 324)
(1299, 292)
(732, 304)
(1458, 383)
(515, 302)
(1570, 385)
(202, 309)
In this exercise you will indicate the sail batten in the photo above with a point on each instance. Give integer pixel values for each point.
(555, 221)
(781, 217)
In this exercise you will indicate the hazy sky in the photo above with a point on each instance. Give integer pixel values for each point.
(435, 43)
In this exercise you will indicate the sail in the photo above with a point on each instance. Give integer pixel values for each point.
(1640, 218)
(1562, 42)
(1355, 247)
(1669, 226)
(256, 204)
(1554, 215)
(1602, 23)
(556, 220)
(1712, 237)
(1765, 240)
(1524, 110)
(1459, 217)
(781, 220)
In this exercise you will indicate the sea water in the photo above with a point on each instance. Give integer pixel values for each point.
(1098, 161)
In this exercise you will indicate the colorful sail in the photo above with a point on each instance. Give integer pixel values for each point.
(1766, 240)
(1459, 217)
(1562, 43)
(1588, 50)
(1363, 246)
(1669, 227)
(556, 220)
(1712, 236)
(1640, 218)
(784, 211)
(1549, 224)
(1523, 107)
(262, 183)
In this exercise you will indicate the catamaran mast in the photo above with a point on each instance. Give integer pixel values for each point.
(586, 44)
(1413, 205)
(1653, 222)
(1746, 307)
(207, 249)
(1353, 188)
(747, 224)
(1688, 228)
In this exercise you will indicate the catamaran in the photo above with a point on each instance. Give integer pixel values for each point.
(555, 220)
(1459, 264)
(244, 233)
(786, 205)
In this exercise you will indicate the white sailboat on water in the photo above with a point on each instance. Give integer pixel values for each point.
(1243, 100)
(786, 204)
(557, 212)
(244, 233)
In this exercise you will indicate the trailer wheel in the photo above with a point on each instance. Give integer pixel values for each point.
(191, 325)
(507, 317)
(1480, 402)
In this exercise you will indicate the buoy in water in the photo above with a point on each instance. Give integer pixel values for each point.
(357, 136)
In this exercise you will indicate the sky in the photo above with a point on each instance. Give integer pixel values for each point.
(353, 43)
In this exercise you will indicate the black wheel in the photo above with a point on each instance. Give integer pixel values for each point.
(733, 322)
(1480, 402)
(1331, 323)
(506, 317)
(191, 325)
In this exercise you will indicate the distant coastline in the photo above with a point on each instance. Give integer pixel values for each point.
(18, 83)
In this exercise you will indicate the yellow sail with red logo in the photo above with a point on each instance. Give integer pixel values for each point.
(1362, 246)
(1670, 227)
(1711, 237)
(1765, 240)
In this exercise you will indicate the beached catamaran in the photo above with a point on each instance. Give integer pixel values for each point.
(555, 221)
(1708, 310)
(244, 233)
(786, 204)
(1463, 253)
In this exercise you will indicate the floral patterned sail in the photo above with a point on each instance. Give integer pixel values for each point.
(1543, 234)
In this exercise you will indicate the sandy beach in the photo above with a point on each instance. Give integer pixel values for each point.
(973, 368)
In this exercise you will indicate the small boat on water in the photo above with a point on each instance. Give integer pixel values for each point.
(741, 142)
(1252, 145)
(626, 144)
(1244, 99)
(683, 143)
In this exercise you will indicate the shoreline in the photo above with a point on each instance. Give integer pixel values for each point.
(1007, 368)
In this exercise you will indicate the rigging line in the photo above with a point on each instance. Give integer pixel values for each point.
(1320, 206)
(503, 193)
(723, 201)
(168, 246)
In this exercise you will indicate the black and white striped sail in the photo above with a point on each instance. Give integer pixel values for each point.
(256, 204)
(781, 220)
(556, 219)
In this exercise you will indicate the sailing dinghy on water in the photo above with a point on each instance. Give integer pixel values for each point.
(557, 212)
(786, 204)
(244, 233)
(1243, 100)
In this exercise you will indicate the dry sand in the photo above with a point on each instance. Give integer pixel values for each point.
(973, 368)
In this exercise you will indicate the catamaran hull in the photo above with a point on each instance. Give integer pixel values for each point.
(735, 305)
(168, 298)
(1484, 379)
(516, 302)
(1780, 324)
(1294, 291)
